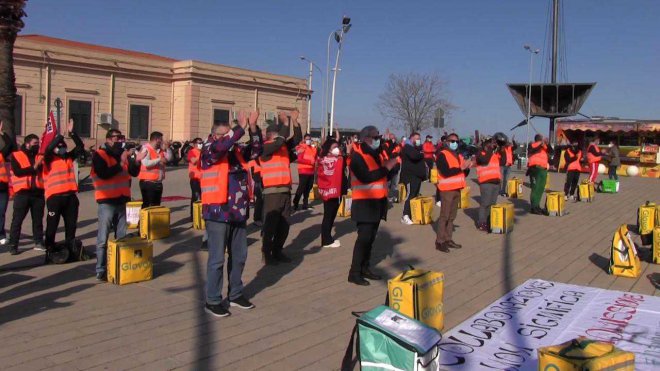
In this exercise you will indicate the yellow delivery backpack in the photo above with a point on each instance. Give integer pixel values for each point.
(586, 191)
(133, 214)
(646, 216)
(198, 220)
(624, 261)
(314, 193)
(434, 176)
(418, 294)
(464, 202)
(130, 259)
(555, 203)
(421, 209)
(655, 249)
(155, 222)
(401, 197)
(345, 206)
(501, 218)
(514, 188)
(582, 354)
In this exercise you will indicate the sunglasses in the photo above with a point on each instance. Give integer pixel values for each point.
(452, 141)
(377, 137)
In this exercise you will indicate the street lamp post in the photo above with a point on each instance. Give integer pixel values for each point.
(309, 88)
(339, 37)
(532, 52)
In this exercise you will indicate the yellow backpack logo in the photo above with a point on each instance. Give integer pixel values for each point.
(624, 260)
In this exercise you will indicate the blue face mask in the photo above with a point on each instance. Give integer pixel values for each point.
(453, 146)
(375, 144)
(418, 142)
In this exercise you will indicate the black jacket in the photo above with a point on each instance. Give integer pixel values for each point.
(368, 211)
(413, 165)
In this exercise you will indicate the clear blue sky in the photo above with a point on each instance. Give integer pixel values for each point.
(475, 45)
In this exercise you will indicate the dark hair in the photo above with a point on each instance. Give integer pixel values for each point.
(325, 148)
(366, 132)
(413, 134)
(452, 135)
(538, 137)
(28, 138)
(156, 135)
(197, 139)
(443, 138)
(111, 133)
(307, 135)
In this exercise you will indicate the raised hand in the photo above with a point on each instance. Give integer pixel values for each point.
(294, 117)
(337, 135)
(69, 126)
(2, 126)
(242, 119)
(284, 118)
(254, 116)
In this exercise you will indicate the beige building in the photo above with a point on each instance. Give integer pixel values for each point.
(102, 87)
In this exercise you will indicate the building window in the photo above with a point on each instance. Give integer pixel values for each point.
(139, 125)
(18, 116)
(221, 115)
(81, 113)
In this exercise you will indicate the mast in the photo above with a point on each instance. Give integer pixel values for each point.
(555, 44)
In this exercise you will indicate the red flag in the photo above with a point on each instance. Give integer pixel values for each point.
(49, 133)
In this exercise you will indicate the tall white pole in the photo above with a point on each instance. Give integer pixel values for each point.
(326, 86)
(529, 102)
(334, 84)
(309, 97)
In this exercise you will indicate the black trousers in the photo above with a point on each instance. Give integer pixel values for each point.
(305, 185)
(363, 246)
(330, 208)
(277, 208)
(258, 200)
(4, 202)
(152, 192)
(572, 179)
(413, 189)
(429, 166)
(195, 194)
(25, 202)
(67, 207)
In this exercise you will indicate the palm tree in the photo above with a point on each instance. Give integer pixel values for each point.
(11, 14)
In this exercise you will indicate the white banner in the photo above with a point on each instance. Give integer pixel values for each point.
(538, 313)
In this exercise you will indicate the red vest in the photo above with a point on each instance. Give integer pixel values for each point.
(455, 182)
(306, 159)
(195, 171)
(329, 176)
(59, 177)
(368, 191)
(575, 165)
(491, 171)
(429, 150)
(276, 172)
(540, 158)
(590, 157)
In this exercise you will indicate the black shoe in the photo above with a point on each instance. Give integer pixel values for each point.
(442, 247)
(545, 212)
(102, 277)
(268, 259)
(368, 274)
(454, 245)
(280, 257)
(295, 207)
(358, 281)
(204, 246)
(241, 302)
(14, 250)
(217, 310)
(536, 211)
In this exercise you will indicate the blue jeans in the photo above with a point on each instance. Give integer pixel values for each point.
(233, 238)
(107, 214)
(4, 201)
(505, 176)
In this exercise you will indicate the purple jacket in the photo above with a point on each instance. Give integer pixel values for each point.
(237, 209)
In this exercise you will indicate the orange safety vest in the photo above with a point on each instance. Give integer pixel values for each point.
(455, 182)
(575, 165)
(195, 171)
(508, 151)
(214, 181)
(308, 156)
(60, 177)
(152, 174)
(4, 169)
(590, 157)
(276, 172)
(368, 191)
(115, 187)
(491, 171)
(24, 182)
(429, 150)
(539, 159)
(254, 166)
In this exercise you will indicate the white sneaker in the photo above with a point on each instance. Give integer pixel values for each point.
(438, 204)
(3, 241)
(565, 198)
(406, 220)
(334, 244)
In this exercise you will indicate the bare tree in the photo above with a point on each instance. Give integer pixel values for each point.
(411, 100)
(11, 21)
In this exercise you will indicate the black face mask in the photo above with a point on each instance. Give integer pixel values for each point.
(117, 147)
(34, 149)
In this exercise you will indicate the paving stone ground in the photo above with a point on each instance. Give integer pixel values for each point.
(59, 317)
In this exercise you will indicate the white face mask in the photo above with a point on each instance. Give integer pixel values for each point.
(200, 145)
(335, 151)
(610, 145)
(308, 142)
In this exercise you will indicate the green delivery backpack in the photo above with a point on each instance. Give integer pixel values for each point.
(389, 340)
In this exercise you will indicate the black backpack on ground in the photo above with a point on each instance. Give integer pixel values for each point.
(60, 253)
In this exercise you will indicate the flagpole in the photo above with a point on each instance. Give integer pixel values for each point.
(58, 107)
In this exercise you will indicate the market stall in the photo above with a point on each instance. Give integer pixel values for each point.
(638, 140)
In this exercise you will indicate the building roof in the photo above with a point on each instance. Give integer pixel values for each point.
(93, 47)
